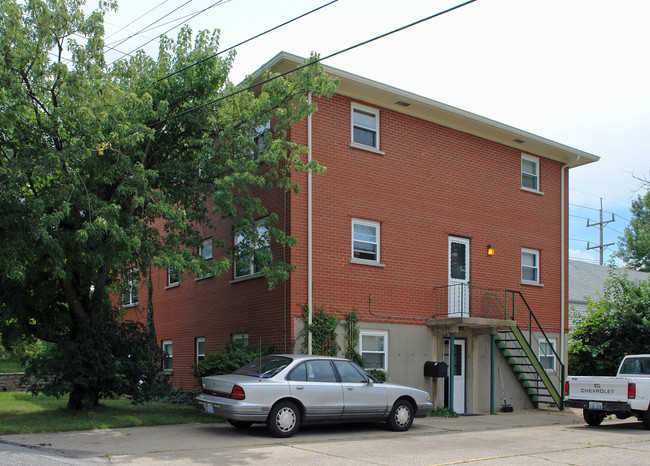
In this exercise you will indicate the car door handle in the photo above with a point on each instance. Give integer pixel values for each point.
(350, 388)
(300, 388)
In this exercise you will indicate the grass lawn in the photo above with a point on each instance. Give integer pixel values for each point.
(8, 366)
(23, 413)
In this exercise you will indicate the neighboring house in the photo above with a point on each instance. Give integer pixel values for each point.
(589, 279)
(436, 225)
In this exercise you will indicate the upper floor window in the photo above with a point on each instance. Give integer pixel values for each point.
(130, 292)
(167, 355)
(373, 347)
(251, 251)
(529, 172)
(205, 250)
(173, 277)
(365, 240)
(365, 126)
(530, 265)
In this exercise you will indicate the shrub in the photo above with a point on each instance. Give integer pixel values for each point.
(234, 355)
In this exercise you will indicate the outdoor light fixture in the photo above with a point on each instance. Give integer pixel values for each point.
(490, 250)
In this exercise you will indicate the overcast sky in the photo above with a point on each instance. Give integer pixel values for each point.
(573, 71)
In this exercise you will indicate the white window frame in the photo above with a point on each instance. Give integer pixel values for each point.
(547, 355)
(375, 333)
(370, 223)
(535, 161)
(130, 297)
(240, 337)
(168, 356)
(252, 270)
(536, 267)
(170, 280)
(200, 354)
(370, 111)
(205, 250)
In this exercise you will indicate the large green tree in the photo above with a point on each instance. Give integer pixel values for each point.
(634, 246)
(107, 169)
(616, 323)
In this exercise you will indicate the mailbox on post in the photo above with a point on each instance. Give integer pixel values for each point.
(435, 369)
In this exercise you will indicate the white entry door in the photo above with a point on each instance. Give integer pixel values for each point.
(458, 281)
(458, 372)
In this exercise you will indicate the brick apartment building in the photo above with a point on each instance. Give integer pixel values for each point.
(399, 228)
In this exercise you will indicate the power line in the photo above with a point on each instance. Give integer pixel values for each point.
(136, 19)
(244, 41)
(147, 26)
(310, 63)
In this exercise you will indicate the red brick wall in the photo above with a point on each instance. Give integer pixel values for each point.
(430, 183)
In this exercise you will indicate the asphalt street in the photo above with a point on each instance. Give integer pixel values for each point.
(530, 437)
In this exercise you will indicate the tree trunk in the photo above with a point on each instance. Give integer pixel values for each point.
(80, 397)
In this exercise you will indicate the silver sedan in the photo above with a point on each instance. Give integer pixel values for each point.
(285, 391)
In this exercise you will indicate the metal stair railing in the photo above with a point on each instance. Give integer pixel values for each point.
(531, 342)
(466, 300)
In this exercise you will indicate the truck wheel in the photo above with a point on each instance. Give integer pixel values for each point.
(645, 418)
(593, 418)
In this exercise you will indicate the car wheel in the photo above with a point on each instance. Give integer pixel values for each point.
(645, 418)
(593, 418)
(240, 424)
(401, 416)
(284, 419)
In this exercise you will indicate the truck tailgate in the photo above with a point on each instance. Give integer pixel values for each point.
(597, 388)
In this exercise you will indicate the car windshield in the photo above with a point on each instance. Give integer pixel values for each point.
(265, 367)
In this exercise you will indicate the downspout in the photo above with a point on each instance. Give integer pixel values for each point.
(563, 274)
(310, 267)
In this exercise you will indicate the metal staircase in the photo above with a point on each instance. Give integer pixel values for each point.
(524, 363)
(520, 341)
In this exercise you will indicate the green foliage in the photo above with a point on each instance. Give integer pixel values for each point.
(352, 338)
(234, 355)
(176, 396)
(323, 332)
(441, 411)
(377, 374)
(634, 247)
(104, 169)
(615, 325)
(109, 359)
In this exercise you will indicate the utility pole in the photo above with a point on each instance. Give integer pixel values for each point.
(601, 224)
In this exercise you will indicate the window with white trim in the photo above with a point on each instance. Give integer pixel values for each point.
(373, 348)
(200, 349)
(205, 250)
(130, 292)
(547, 353)
(365, 126)
(240, 338)
(365, 240)
(529, 265)
(173, 277)
(529, 172)
(167, 355)
(252, 252)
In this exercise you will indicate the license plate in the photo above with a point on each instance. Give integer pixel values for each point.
(595, 405)
(209, 408)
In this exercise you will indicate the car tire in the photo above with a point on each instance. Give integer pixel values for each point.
(593, 418)
(240, 424)
(645, 418)
(401, 416)
(284, 419)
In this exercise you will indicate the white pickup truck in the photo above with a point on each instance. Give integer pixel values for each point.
(625, 395)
